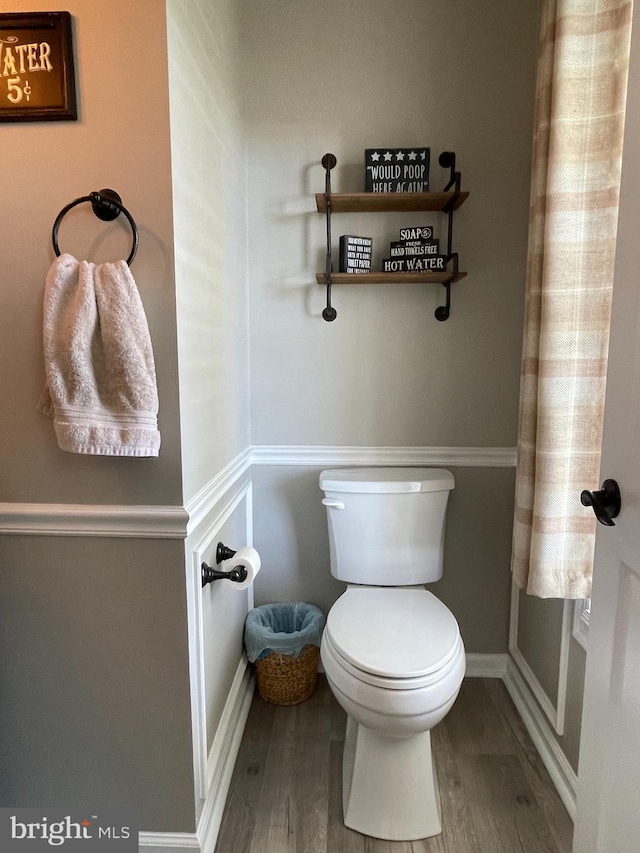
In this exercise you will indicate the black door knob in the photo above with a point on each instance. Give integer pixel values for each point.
(605, 502)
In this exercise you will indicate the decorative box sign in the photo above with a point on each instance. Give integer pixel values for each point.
(37, 80)
(355, 254)
(433, 264)
(396, 170)
(413, 249)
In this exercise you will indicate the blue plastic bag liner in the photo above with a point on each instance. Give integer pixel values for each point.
(286, 628)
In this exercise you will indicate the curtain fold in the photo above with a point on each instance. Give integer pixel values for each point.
(577, 153)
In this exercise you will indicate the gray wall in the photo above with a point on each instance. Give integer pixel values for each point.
(94, 706)
(180, 168)
(95, 697)
(118, 142)
(210, 213)
(342, 77)
(96, 655)
(290, 530)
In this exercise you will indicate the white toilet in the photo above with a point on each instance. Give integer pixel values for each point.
(392, 652)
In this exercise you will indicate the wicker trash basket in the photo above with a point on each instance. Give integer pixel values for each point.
(283, 641)
(284, 680)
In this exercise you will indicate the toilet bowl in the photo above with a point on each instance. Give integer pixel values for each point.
(395, 656)
(394, 660)
(392, 652)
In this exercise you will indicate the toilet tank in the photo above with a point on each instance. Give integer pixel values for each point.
(386, 525)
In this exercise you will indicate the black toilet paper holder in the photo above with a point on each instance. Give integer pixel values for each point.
(236, 575)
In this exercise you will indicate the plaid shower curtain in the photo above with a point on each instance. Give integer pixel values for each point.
(577, 152)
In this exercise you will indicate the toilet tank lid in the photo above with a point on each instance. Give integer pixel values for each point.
(386, 480)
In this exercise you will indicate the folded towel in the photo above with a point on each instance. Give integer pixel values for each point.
(101, 382)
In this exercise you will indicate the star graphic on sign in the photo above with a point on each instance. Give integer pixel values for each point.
(400, 155)
(375, 156)
(412, 155)
(388, 155)
(423, 155)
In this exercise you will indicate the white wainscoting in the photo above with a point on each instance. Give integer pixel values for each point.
(195, 550)
(228, 492)
(225, 495)
(581, 618)
(555, 713)
(198, 523)
(203, 503)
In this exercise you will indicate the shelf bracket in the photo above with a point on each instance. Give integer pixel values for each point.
(443, 311)
(328, 161)
(448, 161)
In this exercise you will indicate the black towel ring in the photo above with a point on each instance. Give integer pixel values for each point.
(107, 205)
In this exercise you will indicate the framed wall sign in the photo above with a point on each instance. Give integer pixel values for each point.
(37, 79)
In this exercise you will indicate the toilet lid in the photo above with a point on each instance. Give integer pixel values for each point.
(395, 633)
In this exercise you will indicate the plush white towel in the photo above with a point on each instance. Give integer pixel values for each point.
(101, 382)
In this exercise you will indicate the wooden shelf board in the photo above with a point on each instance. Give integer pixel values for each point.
(379, 202)
(390, 277)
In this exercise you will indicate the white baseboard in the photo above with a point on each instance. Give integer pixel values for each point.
(486, 666)
(223, 754)
(168, 842)
(562, 773)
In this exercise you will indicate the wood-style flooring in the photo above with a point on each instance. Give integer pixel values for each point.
(497, 797)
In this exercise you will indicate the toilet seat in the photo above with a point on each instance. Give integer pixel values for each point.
(396, 638)
(386, 682)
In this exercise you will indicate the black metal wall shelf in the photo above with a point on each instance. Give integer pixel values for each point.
(447, 201)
